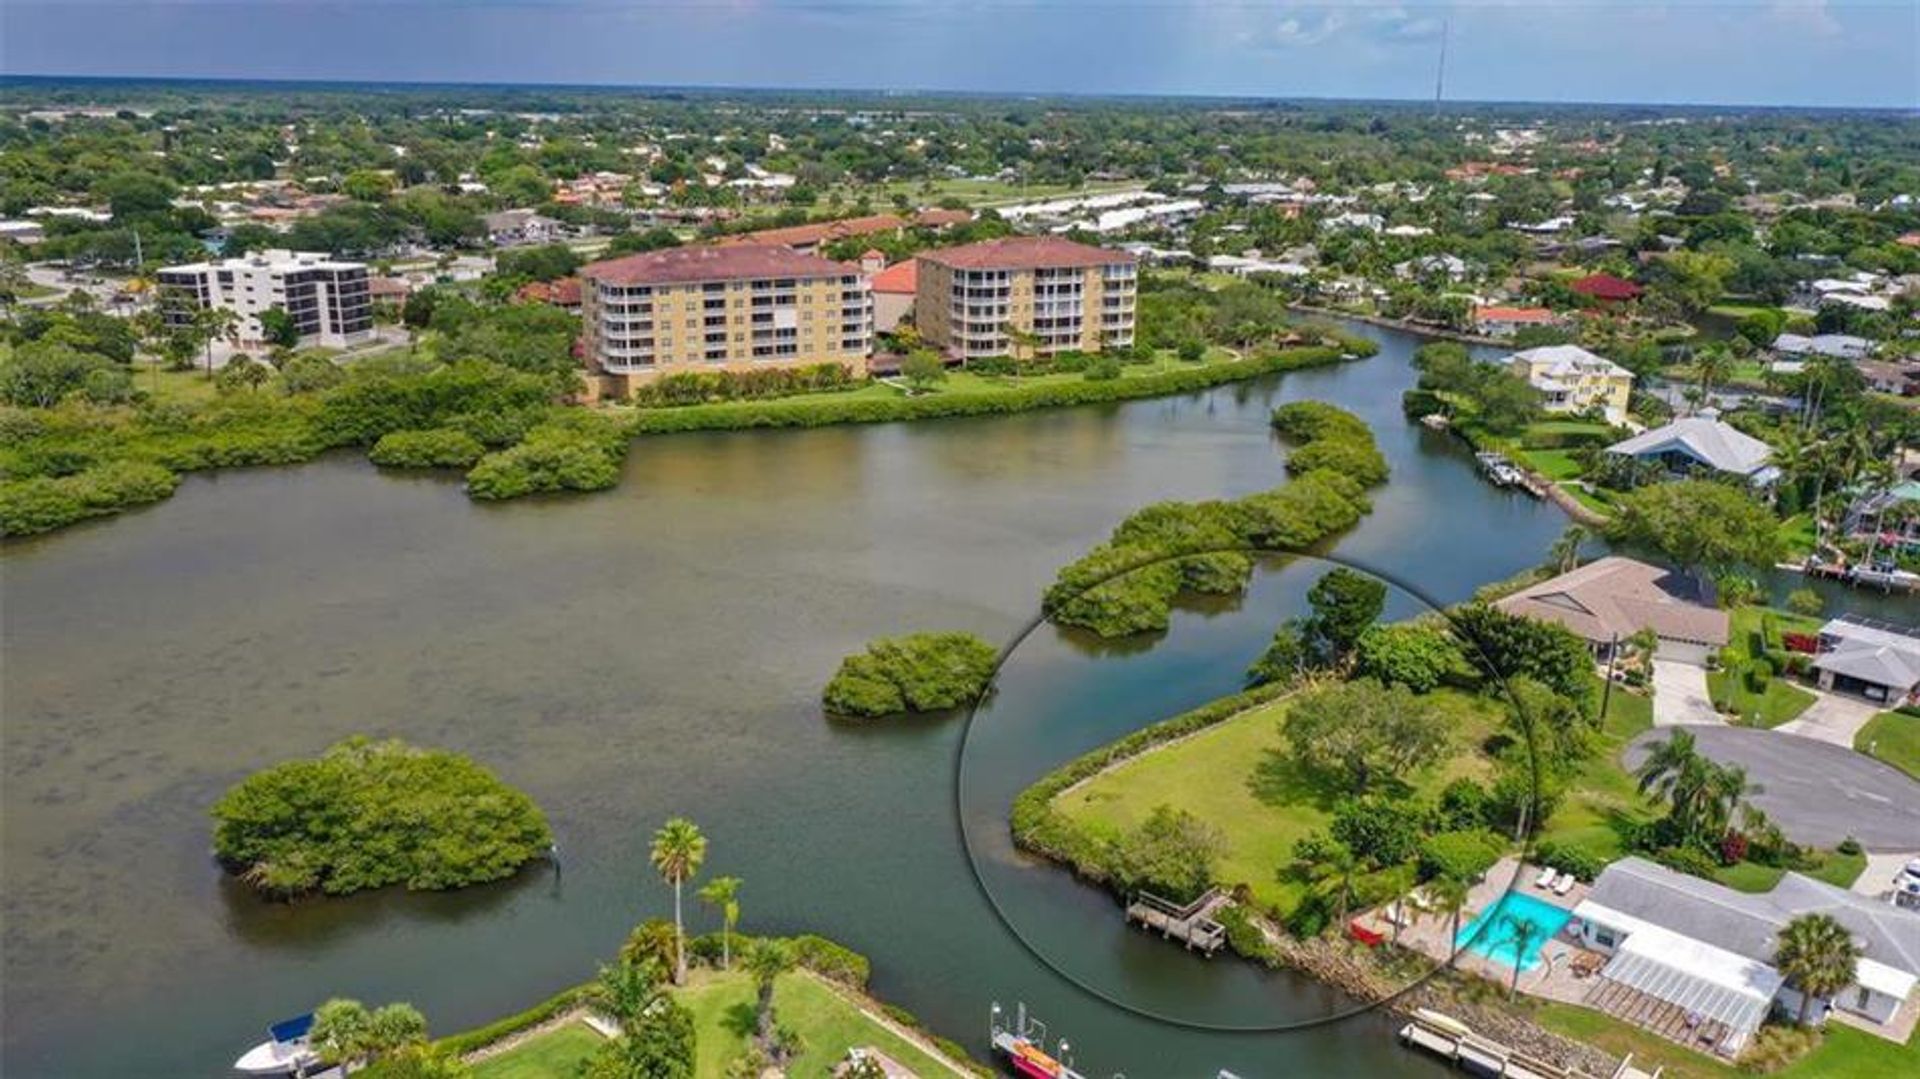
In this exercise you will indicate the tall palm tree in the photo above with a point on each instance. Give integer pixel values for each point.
(724, 892)
(1520, 933)
(1818, 955)
(1676, 772)
(766, 960)
(625, 990)
(678, 850)
(1725, 792)
(1565, 552)
(1331, 868)
(1712, 365)
(1451, 894)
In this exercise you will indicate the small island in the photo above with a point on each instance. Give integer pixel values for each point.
(368, 814)
(920, 672)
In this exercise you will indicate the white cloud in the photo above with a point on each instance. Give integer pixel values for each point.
(1811, 16)
(1308, 29)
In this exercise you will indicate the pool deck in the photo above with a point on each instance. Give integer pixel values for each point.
(1431, 934)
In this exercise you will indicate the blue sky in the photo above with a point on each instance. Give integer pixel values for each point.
(1770, 52)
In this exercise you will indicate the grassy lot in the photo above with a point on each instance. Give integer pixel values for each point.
(558, 1052)
(829, 1024)
(1603, 794)
(1842, 1052)
(828, 1020)
(1730, 688)
(1797, 535)
(1893, 738)
(1595, 499)
(1839, 870)
(1236, 776)
(1553, 464)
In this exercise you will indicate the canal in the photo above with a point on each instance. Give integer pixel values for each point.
(650, 651)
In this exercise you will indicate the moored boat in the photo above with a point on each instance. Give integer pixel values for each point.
(285, 1052)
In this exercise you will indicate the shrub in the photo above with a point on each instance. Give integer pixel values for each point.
(1244, 937)
(368, 814)
(1415, 656)
(1573, 858)
(1849, 846)
(832, 961)
(704, 387)
(1462, 855)
(1102, 369)
(576, 451)
(1686, 860)
(44, 503)
(469, 1041)
(442, 447)
(922, 672)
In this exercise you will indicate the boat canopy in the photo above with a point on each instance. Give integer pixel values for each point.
(288, 1030)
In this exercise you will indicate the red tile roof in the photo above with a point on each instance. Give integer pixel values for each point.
(902, 276)
(1605, 286)
(934, 219)
(820, 232)
(1024, 253)
(562, 293)
(712, 262)
(1513, 314)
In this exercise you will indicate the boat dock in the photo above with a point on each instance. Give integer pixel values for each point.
(1451, 1040)
(1888, 579)
(1504, 473)
(1192, 925)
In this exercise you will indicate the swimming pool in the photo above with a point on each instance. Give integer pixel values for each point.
(1504, 923)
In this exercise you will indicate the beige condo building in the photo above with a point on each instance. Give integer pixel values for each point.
(972, 300)
(736, 307)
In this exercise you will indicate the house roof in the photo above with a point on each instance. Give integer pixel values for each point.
(1569, 361)
(902, 276)
(1514, 314)
(564, 292)
(1705, 980)
(819, 232)
(711, 262)
(1025, 253)
(1881, 654)
(1605, 286)
(1618, 597)
(1749, 924)
(1709, 441)
(934, 217)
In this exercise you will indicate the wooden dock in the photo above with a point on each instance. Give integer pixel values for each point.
(1453, 1041)
(1192, 925)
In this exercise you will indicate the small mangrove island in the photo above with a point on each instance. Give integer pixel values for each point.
(368, 814)
(920, 672)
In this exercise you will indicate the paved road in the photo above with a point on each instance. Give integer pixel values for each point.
(1818, 793)
(1680, 695)
(1832, 718)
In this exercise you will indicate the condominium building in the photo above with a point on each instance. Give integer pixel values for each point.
(979, 299)
(734, 307)
(328, 298)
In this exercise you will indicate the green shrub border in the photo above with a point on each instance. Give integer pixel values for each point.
(1041, 829)
(472, 1041)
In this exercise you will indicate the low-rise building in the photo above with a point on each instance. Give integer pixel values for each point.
(1571, 379)
(512, 228)
(1507, 321)
(1876, 660)
(1606, 288)
(732, 307)
(1694, 443)
(1842, 346)
(893, 293)
(1699, 946)
(328, 299)
(979, 299)
(1609, 600)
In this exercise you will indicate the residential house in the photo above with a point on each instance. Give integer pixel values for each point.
(1427, 267)
(1703, 442)
(1609, 600)
(1680, 941)
(513, 228)
(1250, 264)
(1606, 288)
(1843, 346)
(1876, 660)
(1571, 379)
(1507, 321)
(1900, 379)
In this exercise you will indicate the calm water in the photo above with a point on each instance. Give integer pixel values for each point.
(651, 651)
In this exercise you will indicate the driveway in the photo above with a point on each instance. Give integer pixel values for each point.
(1817, 792)
(1680, 695)
(1877, 879)
(1832, 718)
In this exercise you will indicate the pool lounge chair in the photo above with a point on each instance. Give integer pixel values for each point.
(1545, 879)
(1564, 884)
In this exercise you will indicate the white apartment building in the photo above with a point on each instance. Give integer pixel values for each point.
(327, 297)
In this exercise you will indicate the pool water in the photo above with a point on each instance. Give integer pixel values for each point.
(1500, 930)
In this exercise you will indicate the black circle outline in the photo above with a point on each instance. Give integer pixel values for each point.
(1526, 829)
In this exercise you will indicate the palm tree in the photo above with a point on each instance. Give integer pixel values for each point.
(1676, 772)
(1818, 955)
(678, 850)
(1725, 793)
(1451, 893)
(724, 892)
(1520, 933)
(625, 990)
(1565, 552)
(1330, 866)
(1711, 365)
(766, 960)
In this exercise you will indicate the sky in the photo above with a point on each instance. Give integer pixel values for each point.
(1757, 52)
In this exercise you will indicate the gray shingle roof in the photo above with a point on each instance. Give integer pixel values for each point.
(1711, 442)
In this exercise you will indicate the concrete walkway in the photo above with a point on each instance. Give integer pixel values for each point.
(1832, 718)
(1680, 695)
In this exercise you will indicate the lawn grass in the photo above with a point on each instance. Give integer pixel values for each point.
(1843, 1051)
(558, 1052)
(829, 1024)
(1781, 701)
(1797, 536)
(1893, 738)
(1837, 869)
(1599, 501)
(1236, 776)
(1601, 793)
(1553, 464)
(187, 387)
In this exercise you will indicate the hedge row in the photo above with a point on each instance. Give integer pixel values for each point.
(470, 1041)
(1042, 829)
(827, 410)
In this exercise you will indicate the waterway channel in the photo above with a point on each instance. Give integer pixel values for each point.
(650, 651)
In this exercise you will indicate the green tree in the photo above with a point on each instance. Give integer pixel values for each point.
(1450, 894)
(653, 940)
(1805, 601)
(367, 185)
(1415, 656)
(766, 960)
(1355, 733)
(923, 370)
(1172, 854)
(1564, 555)
(277, 327)
(677, 852)
(1329, 867)
(1818, 956)
(1344, 604)
(1706, 526)
(724, 893)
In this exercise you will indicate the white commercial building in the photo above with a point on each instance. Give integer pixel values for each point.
(327, 298)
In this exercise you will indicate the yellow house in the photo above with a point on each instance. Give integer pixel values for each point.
(1571, 379)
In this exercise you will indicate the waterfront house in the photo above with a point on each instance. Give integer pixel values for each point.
(1876, 660)
(1606, 601)
(1701, 946)
(1694, 443)
(1843, 346)
(1507, 321)
(1571, 379)
(1606, 288)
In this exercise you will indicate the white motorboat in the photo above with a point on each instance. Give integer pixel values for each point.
(285, 1052)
